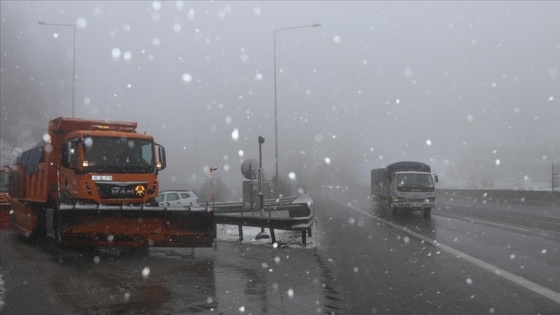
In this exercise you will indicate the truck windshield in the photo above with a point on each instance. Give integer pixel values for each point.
(412, 180)
(118, 155)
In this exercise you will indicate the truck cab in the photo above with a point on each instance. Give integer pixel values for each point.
(101, 168)
(412, 190)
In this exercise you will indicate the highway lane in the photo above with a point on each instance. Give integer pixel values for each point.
(542, 218)
(520, 238)
(382, 263)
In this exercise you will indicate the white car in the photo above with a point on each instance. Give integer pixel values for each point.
(177, 198)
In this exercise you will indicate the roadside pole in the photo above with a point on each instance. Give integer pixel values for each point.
(262, 234)
(212, 169)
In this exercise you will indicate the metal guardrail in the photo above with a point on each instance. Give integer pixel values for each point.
(294, 213)
(278, 201)
(502, 195)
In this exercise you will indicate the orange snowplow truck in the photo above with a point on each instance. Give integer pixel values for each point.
(93, 183)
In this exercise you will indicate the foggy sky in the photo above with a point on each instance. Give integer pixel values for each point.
(468, 87)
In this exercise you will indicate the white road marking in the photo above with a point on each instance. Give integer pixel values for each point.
(2, 292)
(537, 288)
(497, 224)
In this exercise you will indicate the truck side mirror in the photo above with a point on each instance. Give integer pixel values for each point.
(161, 164)
(436, 178)
(69, 157)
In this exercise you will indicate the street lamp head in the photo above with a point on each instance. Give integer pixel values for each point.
(56, 24)
(316, 25)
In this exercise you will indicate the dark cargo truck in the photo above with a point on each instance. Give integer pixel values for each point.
(405, 186)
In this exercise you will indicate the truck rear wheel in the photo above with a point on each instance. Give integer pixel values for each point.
(427, 211)
(40, 231)
(57, 227)
(394, 209)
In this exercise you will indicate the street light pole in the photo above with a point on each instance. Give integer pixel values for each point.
(298, 117)
(73, 58)
(276, 102)
(212, 169)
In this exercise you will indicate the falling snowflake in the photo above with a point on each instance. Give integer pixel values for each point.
(145, 272)
(235, 134)
(187, 78)
(291, 293)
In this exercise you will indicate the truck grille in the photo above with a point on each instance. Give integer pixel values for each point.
(418, 200)
(122, 190)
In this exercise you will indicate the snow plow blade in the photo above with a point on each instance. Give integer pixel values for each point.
(88, 226)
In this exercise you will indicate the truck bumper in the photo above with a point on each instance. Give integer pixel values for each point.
(411, 205)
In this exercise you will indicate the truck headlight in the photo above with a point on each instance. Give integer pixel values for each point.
(399, 199)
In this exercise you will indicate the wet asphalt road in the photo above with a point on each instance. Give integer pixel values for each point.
(384, 263)
(364, 260)
(232, 279)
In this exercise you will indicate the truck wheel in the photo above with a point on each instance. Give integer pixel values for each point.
(394, 209)
(427, 211)
(40, 231)
(153, 203)
(57, 226)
